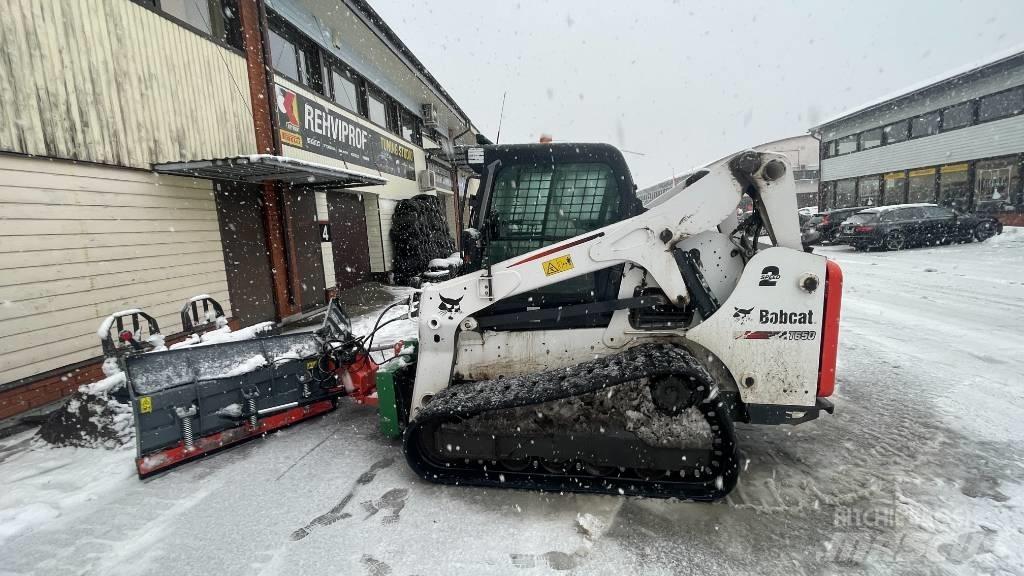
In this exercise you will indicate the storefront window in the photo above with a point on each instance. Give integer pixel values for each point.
(345, 94)
(995, 184)
(283, 56)
(867, 190)
(897, 132)
(846, 193)
(847, 144)
(957, 116)
(922, 185)
(925, 125)
(871, 139)
(895, 188)
(377, 110)
(953, 187)
(195, 14)
(411, 127)
(1000, 105)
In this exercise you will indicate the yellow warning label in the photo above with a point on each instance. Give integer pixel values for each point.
(310, 364)
(556, 265)
(145, 405)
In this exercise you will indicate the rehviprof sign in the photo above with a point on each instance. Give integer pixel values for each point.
(307, 124)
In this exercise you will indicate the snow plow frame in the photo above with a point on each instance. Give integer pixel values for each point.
(188, 402)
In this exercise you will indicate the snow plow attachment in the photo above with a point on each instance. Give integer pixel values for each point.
(189, 401)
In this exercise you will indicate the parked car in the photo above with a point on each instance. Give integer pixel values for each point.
(905, 225)
(823, 226)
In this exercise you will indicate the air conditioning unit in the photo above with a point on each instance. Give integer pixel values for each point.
(427, 180)
(430, 118)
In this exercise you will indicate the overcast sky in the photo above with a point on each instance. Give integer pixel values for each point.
(685, 82)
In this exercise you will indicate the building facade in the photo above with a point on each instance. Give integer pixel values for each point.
(152, 150)
(958, 141)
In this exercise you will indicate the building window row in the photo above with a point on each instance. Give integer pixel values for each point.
(979, 110)
(218, 20)
(991, 185)
(296, 57)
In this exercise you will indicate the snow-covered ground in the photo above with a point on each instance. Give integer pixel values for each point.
(918, 472)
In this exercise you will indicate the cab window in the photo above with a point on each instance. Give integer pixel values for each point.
(540, 205)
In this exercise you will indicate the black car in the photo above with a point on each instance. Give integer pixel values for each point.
(823, 226)
(905, 225)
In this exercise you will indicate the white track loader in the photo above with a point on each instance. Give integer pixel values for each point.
(603, 346)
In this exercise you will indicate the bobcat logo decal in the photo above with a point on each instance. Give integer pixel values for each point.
(742, 314)
(451, 306)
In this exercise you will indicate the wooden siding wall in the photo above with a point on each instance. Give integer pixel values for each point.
(109, 81)
(81, 241)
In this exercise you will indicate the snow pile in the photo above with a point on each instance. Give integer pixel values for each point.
(590, 526)
(96, 416)
(224, 334)
(230, 411)
(246, 366)
(451, 262)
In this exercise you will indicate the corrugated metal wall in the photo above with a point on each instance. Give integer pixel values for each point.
(82, 241)
(987, 140)
(109, 81)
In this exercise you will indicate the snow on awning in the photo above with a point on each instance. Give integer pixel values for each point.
(259, 168)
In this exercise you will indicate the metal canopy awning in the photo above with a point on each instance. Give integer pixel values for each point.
(258, 168)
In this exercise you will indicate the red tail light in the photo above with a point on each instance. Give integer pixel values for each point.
(863, 228)
(830, 329)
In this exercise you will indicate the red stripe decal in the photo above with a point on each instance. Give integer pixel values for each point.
(830, 329)
(550, 251)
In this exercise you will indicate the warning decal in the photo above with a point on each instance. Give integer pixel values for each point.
(556, 265)
(145, 405)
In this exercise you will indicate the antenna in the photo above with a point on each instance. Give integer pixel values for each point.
(501, 116)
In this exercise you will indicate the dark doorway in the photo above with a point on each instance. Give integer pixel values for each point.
(240, 212)
(300, 206)
(348, 238)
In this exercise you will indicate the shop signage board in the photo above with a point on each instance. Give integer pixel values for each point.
(310, 125)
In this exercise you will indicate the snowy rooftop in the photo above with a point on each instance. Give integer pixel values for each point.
(949, 75)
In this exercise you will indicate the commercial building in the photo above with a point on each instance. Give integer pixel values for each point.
(958, 141)
(802, 152)
(152, 150)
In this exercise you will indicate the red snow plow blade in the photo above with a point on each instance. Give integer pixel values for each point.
(170, 457)
(195, 399)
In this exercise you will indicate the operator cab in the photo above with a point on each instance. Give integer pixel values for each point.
(536, 195)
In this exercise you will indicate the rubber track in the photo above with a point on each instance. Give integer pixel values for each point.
(462, 401)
